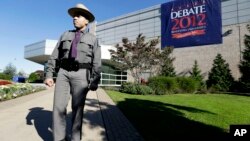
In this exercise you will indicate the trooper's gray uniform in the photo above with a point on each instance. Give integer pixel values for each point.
(74, 77)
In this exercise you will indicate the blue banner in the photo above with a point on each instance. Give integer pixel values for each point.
(186, 23)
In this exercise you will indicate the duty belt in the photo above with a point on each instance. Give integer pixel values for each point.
(73, 65)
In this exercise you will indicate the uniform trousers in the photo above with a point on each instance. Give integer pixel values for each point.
(74, 83)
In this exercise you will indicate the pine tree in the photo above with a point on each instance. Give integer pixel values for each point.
(196, 73)
(166, 62)
(245, 64)
(220, 77)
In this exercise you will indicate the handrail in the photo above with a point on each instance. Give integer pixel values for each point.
(116, 79)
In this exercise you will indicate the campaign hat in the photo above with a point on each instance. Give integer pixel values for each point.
(82, 10)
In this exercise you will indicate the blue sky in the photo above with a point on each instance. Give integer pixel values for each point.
(24, 22)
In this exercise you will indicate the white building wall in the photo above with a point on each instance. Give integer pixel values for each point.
(49, 46)
(146, 21)
(34, 49)
(39, 52)
(230, 50)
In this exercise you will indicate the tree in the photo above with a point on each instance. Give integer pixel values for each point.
(166, 62)
(137, 57)
(220, 77)
(196, 72)
(33, 77)
(10, 70)
(196, 75)
(244, 65)
(21, 73)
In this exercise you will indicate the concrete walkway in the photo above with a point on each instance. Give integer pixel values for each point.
(28, 118)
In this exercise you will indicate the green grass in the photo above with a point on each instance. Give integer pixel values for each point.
(183, 115)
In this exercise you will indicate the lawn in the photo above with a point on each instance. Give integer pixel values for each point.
(183, 115)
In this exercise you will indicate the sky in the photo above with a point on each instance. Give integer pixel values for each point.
(24, 22)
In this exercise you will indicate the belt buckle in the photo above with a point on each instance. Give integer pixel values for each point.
(75, 66)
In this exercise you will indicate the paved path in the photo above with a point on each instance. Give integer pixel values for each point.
(28, 118)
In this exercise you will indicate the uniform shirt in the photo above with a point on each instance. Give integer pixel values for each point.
(88, 51)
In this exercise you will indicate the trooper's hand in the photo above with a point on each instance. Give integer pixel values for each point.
(93, 87)
(49, 82)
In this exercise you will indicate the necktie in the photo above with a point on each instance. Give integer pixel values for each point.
(74, 44)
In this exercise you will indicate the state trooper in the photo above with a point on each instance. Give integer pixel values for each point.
(77, 57)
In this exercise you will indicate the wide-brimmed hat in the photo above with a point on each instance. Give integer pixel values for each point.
(81, 9)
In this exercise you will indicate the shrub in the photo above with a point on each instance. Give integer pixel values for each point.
(132, 88)
(187, 85)
(202, 89)
(33, 77)
(128, 87)
(5, 76)
(143, 89)
(163, 85)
